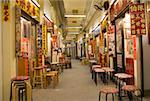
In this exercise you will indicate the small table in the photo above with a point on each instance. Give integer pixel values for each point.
(108, 70)
(95, 71)
(92, 62)
(96, 66)
(122, 76)
(92, 69)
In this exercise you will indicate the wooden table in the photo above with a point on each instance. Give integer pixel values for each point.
(122, 76)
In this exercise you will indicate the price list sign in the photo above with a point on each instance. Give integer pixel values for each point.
(138, 24)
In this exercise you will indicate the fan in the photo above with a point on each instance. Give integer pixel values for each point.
(105, 6)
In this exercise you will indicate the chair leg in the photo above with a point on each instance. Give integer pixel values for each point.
(113, 97)
(141, 94)
(106, 96)
(99, 96)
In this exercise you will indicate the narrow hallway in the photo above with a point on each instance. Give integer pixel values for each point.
(75, 85)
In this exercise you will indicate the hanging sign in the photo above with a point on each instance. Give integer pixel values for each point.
(138, 23)
(29, 8)
(44, 37)
(134, 48)
(6, 10)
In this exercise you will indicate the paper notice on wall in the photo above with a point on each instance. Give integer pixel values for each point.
(24, 45)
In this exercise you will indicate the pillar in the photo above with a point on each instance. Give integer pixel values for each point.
(8, 49)
(1, 96)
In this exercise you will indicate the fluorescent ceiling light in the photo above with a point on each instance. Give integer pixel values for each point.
(74, 27)
(76, 16)
(73, 32)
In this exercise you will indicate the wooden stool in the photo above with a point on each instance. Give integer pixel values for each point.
(54, 77)
(38, 77)
(108, 90)
(131, 89)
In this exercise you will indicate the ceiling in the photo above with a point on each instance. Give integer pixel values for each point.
(78, 7)
(74, 7)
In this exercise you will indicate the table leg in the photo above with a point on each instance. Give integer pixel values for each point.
(130, 96)
(92, 72)
(95, 73)
(119, 91)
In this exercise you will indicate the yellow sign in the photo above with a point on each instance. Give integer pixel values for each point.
(29, 8)
(44, 37)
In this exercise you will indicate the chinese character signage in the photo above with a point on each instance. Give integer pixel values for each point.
(29, 8)
(138, 24)
(6, 10)
(44, 32)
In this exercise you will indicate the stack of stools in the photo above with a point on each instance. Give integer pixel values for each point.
(38, 76)
(21, 89)
(54, 76)
(108, 90)
(131, 89)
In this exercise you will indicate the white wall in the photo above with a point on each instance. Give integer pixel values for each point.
(146, 55)
(48, 9)
(146, 58)
(0, 56)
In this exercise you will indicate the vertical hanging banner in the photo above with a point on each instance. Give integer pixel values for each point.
(6, 10)
(44, 35)
(138, 23)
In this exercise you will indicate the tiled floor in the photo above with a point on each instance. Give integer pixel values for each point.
(75, 85)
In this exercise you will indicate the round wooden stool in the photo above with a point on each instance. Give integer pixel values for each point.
(108, 90)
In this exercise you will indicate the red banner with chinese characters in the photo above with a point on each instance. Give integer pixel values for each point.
(6, 10)
(138, 24)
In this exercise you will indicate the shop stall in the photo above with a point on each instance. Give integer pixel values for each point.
(26, 25)
(128, 28)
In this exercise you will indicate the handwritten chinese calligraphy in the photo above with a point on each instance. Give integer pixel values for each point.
(138, 25)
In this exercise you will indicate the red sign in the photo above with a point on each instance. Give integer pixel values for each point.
(130, 69)
(134, 47)
(6, 11)
(138, 24)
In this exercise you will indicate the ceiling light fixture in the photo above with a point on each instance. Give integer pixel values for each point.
(75, 16)
(73, 32)
(75, 27)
